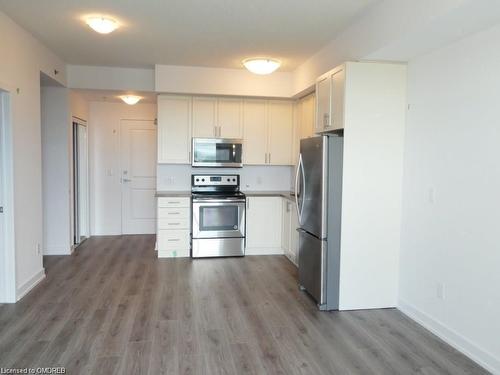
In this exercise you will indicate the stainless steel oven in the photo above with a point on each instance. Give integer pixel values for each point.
(217, 152)
(218, 216)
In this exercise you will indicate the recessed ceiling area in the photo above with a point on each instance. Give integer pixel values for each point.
(113, 96)
(215, 33)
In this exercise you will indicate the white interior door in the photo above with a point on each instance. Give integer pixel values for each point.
(138, 168)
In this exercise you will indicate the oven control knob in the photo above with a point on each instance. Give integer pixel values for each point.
(197, 179)
(234, 179)
(203, 180)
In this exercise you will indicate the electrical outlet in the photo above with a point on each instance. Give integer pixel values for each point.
(440, 291)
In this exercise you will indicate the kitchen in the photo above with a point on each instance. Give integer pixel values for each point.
(277, 188)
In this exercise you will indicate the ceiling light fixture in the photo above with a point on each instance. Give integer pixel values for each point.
(261, 65)
(131, 99)
(101, 24)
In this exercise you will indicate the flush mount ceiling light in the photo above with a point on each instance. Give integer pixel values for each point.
(261, 65)
(101, 24)
(131, 99)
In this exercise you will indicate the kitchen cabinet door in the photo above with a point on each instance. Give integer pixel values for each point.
(285, 226)
(323, 102)
(308, 115)
(255, 132)
(229, 121)
(264, 215)
(204, 117)
(337, 106)
(280, 120)
(174, 129)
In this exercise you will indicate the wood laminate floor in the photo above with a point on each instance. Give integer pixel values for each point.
(113, 308)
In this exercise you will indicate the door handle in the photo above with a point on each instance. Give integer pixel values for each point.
(1, 210)
(126, 180)
(297, 187)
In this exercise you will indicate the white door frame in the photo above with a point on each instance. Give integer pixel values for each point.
(79, 122)
(7, 244)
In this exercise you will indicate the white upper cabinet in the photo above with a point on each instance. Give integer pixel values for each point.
(255, 131)
(229, 118)
(268, 132)
(280, 132)
(323, 92)
(266, 127)
(174, 129)
(304, 113)
(337, 99)
(330, 92)
(217, 117)
(204, 117)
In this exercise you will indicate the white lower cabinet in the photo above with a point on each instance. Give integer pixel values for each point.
(264, 218)
(173, 228)
(289, 234)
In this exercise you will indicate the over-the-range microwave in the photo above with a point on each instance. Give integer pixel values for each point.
(217, 152)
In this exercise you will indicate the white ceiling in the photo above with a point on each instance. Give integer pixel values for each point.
(216, 33)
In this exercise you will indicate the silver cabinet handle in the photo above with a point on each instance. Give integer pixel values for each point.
(173, 213)
(126, 180)
(326, 119)
(265, 158)
(174, 240)
(269, 158)
(173, 202)
(248, 203)
(173, 223)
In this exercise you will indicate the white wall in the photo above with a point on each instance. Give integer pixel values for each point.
(110, 78)
(451, 205)
(56, 170)
(22, 59)
(398, 30)
(252, 177)
(104, 153)
(218, 81)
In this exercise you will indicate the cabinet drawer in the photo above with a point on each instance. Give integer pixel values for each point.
(173, 213)
(174, 223)
(174, 202)
(173, 239)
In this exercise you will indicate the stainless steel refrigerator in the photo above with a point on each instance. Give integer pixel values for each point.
(318, 195)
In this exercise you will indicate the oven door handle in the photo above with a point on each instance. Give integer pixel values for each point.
(208, 200)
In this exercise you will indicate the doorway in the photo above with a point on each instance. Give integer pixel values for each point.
(7, 250)
(81, 217)
(138, 168)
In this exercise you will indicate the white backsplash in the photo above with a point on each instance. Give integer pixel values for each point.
(175, 177)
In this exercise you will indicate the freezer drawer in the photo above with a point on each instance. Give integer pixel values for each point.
(312, 265)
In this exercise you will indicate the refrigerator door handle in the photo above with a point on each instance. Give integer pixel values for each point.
(303, 192)
(297, 188)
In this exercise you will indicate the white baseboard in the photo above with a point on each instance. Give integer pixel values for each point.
(57, 250)
(30, 284)
(462, 344)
